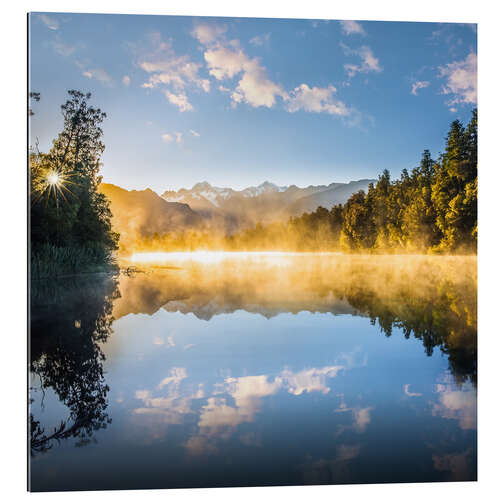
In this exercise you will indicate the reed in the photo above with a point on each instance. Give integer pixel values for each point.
(48, 261)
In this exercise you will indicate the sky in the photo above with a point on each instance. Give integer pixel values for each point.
(239, 101)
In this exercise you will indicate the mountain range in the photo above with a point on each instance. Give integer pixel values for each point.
(143, 213)
(264, 203)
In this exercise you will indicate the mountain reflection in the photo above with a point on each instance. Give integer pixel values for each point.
(69, 321)
(431, 298)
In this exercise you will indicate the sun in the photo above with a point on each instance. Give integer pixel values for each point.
(53, 178)
(52, 183)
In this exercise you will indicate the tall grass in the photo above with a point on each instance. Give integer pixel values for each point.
(48, 261)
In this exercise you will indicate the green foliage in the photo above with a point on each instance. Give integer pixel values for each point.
(454, 191)
(358, 228)
(432, 210)
(67, 210)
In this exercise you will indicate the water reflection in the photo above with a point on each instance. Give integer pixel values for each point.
(433, 299)
(69, 321)
(313, 370)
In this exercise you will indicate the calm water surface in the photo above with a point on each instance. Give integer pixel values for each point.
(260, 370)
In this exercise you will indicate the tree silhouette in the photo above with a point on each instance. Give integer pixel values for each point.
(69, 322)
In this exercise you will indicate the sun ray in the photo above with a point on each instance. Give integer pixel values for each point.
(53, 182)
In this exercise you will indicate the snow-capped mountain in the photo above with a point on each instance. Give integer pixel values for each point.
(264, 203)
(265, 187)
(203, 191)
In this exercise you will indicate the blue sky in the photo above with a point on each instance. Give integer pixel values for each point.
(238, 101)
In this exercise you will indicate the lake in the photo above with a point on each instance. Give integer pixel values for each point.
(211, 369)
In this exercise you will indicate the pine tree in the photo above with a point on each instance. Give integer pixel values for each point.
(454, 192)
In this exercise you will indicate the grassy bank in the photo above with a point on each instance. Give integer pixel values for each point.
(49, 261)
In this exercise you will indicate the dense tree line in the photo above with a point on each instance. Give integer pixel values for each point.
(70, 220)
(432, 209)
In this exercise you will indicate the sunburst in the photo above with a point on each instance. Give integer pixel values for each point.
(52, 182)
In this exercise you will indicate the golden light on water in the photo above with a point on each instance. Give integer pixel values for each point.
(214, 256)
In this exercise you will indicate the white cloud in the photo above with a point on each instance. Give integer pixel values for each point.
(226, 60)
(50, 22)
(316, 100)
(254, 87)
(126, 80)
(418, 85)
(352, 27)
(193, 132)
(178, 137)
(208, 33)
(167, 138)
(368, 61)
(180, 100)
(98, 74)
(175, 71)
(461, 80)
(171, 72)
(260, 39)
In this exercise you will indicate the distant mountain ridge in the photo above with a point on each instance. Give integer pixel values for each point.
(138, 214)
(143, 213)
(264, 203)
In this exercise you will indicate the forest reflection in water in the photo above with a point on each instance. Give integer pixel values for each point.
(431, 299)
